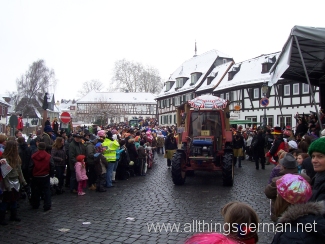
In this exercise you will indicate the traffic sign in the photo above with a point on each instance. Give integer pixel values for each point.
(65, 117)
(264, 101)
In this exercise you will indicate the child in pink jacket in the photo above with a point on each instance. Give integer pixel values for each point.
(80, 168)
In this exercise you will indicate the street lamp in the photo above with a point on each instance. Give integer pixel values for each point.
(265, 89)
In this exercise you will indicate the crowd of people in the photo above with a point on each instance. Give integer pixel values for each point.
(52, 160)
(295, 188)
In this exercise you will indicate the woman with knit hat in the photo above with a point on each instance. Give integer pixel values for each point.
(317, 153)
(299, 221)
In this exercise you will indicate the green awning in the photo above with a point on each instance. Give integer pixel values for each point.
(243, 122)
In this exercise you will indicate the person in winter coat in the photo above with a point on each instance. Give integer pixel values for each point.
(248, 143)
(119, 151)
(90, 166)
(81, 174)
(275, 172)
(110, 146)
(20, 125)
(289, 165)
(141, 158)
(238, 145)
(100, 168)
(59, 157)
(75, 148)
(170, 147)
(160, 143)
(55, 126)
(133, 154)
(317, 153)
(25, 155)
(277, 145)
(124, 169)
(11, 183)
(258, 150)
(41, 169)
(48, 138)
(299, 221)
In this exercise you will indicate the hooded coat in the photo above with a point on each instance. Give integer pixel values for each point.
(41, 164)
(307, 224)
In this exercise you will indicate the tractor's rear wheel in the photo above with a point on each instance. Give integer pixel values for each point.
(178, 175)
(228, 169)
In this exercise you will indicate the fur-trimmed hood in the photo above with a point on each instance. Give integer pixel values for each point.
(298, 210)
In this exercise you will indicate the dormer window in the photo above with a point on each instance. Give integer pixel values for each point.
(209, 80)
(266, 66)
(169, 85)
(231, 75)
(195, 77)
(180, 82)
(232, 72)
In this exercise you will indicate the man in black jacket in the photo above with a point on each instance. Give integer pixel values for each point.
(75, 148)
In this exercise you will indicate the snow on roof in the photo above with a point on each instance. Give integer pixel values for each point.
(119, 97)
(250, 72)
(201, 63)
(4, 102)
(217, 74)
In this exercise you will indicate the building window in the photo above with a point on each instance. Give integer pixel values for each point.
(224, 61)
(256, 93)
(305, 88)
(169, 85)
(286, 90)
(227, 96)
(180, 82)
(285, 120)
(253, 119)
(195, 77)
(167, 103)
(295, 89)
(222, 96)
(177, 101)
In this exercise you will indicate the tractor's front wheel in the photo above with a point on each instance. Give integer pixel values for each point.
(178, 175)
(228, 169)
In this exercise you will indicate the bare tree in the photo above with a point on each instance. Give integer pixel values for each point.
(93, 85)
(14, 97)
(35, 82)
(151, 81)
(134, 77)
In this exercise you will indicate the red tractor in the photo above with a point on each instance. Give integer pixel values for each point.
(204, 139)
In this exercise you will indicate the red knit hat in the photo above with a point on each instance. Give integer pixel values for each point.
(80, 158)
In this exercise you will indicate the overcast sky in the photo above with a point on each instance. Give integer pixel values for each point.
(82, 39)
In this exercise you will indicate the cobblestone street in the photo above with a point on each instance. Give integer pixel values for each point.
(123, 213)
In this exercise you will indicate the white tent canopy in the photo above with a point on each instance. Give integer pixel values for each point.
(304, 47)
(302, 59)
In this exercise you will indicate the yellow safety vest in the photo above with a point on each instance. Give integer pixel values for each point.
(110, 148)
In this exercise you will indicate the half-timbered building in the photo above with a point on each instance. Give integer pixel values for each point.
(115, 106)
